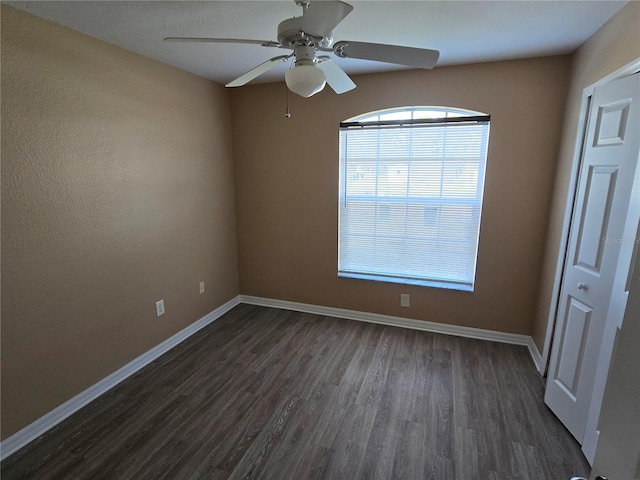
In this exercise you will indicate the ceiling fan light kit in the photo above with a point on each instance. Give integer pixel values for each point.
(305, 80)
(311, 33)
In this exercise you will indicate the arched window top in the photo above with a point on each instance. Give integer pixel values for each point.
(413, 113)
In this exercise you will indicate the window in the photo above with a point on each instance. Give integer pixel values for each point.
(411, 184)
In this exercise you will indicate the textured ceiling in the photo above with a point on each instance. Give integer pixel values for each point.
(463, 31)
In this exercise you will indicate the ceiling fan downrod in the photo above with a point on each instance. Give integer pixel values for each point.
(303, 3)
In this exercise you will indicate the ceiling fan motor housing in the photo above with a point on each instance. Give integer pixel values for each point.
(291, 34)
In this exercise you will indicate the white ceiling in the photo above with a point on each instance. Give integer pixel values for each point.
(463, 31)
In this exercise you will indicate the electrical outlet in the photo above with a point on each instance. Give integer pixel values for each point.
(201, 287)
(404, 299)
(159, 308)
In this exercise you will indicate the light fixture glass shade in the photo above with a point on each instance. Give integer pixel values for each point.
(305, 80)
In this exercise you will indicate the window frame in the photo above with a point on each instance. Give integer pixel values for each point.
(418, 117)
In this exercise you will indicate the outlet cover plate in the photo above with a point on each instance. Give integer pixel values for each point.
(159, 308)
(404, 299)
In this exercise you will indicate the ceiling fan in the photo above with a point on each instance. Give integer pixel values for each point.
(309, 36)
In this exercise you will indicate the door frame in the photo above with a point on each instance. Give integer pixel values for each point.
(583, 117)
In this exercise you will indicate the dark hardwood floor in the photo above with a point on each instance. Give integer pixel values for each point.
(274, 394)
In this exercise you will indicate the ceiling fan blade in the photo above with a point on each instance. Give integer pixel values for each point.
(322, 16)
(257, 71)
(412, 57)
(264, 43)
(337, 79)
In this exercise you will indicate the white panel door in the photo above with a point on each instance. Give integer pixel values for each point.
(610, 156)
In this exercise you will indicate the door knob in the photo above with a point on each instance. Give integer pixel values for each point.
(582, 286)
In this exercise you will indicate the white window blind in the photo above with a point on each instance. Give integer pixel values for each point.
(411, 198)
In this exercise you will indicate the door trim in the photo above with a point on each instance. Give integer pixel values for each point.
(629, 69)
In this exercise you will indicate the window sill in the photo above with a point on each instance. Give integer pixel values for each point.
(408, 281)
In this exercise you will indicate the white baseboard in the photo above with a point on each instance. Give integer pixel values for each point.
(32, 431)
(423, 325)
(536, 356)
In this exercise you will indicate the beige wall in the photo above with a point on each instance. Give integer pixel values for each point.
(286, 174)
(117, 190)
(614, 45)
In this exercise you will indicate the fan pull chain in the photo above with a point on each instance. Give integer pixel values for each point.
(287, 114)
